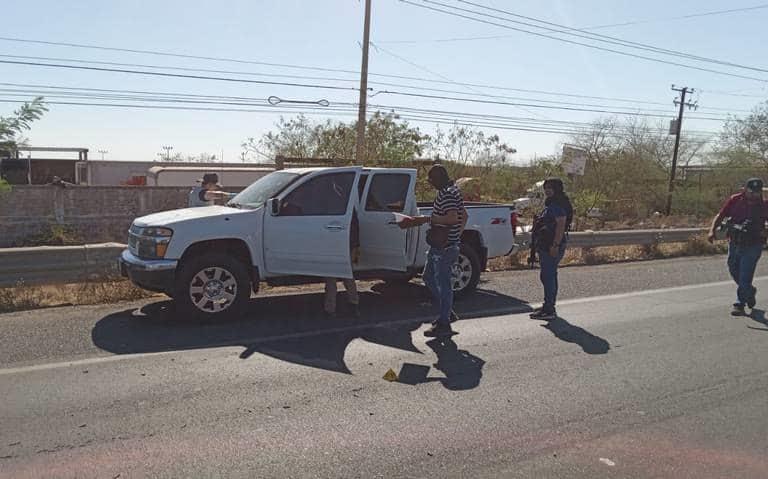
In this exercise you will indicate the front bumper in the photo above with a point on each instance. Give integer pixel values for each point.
(156, 275)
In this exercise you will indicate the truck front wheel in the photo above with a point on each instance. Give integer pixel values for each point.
(211, 286)
(466, 271)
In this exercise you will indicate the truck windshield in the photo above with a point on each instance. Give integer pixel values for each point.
(263, 189)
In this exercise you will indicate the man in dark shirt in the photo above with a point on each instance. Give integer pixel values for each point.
(207, 192)
(747, 213)
(447, 212)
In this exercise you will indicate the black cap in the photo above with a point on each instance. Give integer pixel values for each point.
(210, 178)
(755, 185)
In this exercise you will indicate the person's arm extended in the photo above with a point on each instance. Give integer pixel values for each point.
(216, 195)
(450, 219)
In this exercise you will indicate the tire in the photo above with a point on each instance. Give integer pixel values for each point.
(466, 271)
(212, 286)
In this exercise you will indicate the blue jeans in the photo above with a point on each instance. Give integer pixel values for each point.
(548, 275)
(437, 277)
(742, 261)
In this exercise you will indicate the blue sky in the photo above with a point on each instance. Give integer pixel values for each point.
(326, 34)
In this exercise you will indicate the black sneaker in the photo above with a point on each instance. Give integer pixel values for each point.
(536, 312)
(752, 301)
(738, 310)
(439, 330)
(544, 314)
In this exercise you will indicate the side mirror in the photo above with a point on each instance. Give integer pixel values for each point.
(274, 206)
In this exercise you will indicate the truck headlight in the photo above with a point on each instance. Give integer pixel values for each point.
(149, 242)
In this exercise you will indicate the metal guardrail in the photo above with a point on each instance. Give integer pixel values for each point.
(43, 265)
(593, 239)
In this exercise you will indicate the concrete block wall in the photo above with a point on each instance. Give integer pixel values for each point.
(95, 214)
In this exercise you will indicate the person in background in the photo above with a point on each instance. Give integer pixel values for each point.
(208, 192)
(349, 284)
(747, 212)
(548, 237)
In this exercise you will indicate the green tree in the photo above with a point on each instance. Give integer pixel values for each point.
(468, 145)
(628, 164)
(388, 140)
(13, 127)
(744, 141)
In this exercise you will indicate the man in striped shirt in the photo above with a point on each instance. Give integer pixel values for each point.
(447, 212)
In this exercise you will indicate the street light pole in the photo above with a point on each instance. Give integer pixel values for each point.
(103, 152)
(360, 150)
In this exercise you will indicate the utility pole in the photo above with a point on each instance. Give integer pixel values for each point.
(360, 150)
(167, 152)
(103, 152)
(678, 128)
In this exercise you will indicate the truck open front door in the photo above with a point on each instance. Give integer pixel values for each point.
(383, 245)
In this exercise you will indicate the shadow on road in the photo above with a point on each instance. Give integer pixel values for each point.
(291, 328)
(758, 316)
(462, 369)
(567, 332)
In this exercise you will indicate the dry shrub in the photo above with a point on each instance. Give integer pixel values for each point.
(104, 292)
(22, 297)
(696, 246)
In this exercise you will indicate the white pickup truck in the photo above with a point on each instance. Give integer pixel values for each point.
(293, 226)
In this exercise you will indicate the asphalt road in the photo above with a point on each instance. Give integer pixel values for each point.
(644, 375)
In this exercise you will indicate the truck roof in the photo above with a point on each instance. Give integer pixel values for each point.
(303, 171)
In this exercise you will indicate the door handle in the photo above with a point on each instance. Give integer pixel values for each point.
(334, 227)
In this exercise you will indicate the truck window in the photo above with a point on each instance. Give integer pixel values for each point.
(388, 192)
(326, 195)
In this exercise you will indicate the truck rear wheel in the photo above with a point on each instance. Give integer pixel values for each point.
(466, 271)
(213, 286)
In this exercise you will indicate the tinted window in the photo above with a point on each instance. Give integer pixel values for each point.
(326, 195)
(388, 192)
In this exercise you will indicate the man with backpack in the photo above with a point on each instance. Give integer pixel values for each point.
(548, 241)
(745, 215)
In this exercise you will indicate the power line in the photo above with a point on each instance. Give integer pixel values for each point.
(250, 101)
(596, 47)
(400, 86)
(303, 67)
(441, 97)
(350, 113)
(169, 67)
(596, 27)
(595, 36)
(175, 75)
(448, 81)
(693, 15)
(262, 102)
(177, 55)
(428, 70)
